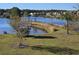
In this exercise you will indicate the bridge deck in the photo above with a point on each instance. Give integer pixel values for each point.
(47, 27)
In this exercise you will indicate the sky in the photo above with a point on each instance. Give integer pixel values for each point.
(39, 6)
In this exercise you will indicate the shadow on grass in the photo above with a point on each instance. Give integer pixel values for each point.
(57, 50)
(42, 37)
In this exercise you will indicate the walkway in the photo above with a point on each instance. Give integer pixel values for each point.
(44, 26)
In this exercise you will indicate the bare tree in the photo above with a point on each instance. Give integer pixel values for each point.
(72, 19)
(22, 27)
(76, 6)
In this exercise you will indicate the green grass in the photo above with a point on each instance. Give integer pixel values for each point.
(57, 43)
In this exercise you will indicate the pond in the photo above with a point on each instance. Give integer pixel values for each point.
(6, 27)
(59, 22)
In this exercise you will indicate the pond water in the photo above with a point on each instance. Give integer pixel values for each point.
(6, 27)
(59, 22)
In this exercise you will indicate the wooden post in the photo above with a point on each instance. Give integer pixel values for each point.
(67, 26)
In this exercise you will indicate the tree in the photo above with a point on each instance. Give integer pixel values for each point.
(72, 19)
(1, 11)
(68, 18)
(76, 6)
(15, 11)
(22, 28)
(25, 13)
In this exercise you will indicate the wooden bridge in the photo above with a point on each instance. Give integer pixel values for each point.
(44, 26)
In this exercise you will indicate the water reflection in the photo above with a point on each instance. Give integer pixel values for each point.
(36, 31)
(54, 21)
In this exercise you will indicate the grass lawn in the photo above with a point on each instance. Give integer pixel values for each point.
(57, 43)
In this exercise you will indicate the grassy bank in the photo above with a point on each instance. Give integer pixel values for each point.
(47, 44)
